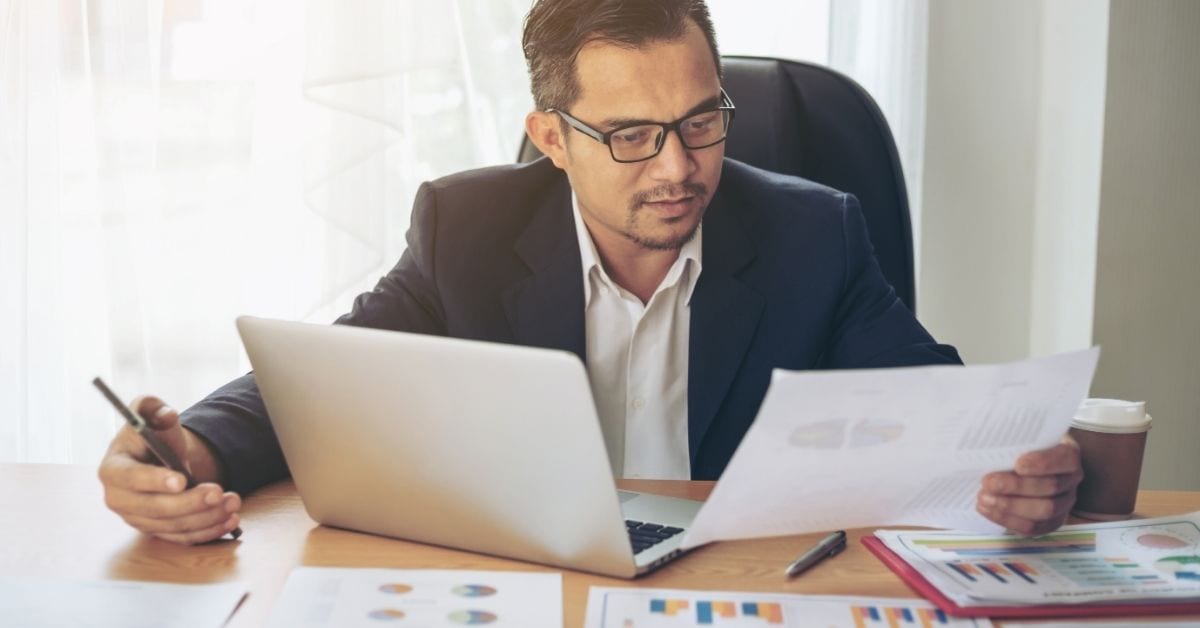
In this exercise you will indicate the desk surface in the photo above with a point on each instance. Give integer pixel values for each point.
(54, 523)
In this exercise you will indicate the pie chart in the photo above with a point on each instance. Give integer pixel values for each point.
(1161, 541)
(395, 589)
(473, 590)
(472, 618)
(819, 435)
(386, 614)
(871, 432)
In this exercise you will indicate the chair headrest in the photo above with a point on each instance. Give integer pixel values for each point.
(810, 121)
(767, 128)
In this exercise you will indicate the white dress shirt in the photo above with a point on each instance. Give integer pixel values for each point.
(637, 361)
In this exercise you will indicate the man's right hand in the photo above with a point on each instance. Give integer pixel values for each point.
(154, 499)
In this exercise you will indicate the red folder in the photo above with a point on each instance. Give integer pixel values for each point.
(919, 584)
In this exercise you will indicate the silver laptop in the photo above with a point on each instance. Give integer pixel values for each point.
(480, 446)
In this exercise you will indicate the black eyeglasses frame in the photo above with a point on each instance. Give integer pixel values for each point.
(605, 138)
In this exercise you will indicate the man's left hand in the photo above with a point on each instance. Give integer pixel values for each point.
(1035, 497)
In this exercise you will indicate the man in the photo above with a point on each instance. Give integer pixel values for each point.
(681, 278)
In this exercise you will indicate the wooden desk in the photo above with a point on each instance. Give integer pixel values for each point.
(54, 523)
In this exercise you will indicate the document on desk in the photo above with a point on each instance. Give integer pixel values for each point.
(1107, 624)
(667, 608)
(1140, 560)
(907, 446)
(317, 597)
(53, 602)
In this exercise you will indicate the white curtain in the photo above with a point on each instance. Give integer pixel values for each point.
(788, 29)
(883, 45)
(166, 165)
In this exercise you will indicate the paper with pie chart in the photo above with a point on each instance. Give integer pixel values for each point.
(349, 597)
(904, 446)
(1148, 559)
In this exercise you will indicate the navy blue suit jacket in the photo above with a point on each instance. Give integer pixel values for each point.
(789, 280)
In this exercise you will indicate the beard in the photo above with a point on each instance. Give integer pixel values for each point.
(674, 241)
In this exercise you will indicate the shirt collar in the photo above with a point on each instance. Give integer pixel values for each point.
(688, 260)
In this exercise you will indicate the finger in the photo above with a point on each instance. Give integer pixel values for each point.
(1034, 508)
(202, 536)
(1009, 483)
(164, 505)
(1059, 459)
(1026, 515)
(122, 469)
(1024, 527)
(164, 420)
(187, 524)
(147, 406)
(213, 516)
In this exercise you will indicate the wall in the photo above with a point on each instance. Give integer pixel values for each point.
(1070, 132)
(1061, 209)
(1147, 310)
(979, 181)
(1014, 140)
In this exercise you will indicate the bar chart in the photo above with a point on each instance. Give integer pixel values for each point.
(897, 616)
(1066, 542)
(672, 608)
(707, 611)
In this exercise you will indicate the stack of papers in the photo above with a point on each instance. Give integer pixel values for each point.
(668, 608)
(1143, 560)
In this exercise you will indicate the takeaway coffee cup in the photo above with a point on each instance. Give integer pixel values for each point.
(1112, 439)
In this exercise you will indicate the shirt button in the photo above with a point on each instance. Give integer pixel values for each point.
(639, 403)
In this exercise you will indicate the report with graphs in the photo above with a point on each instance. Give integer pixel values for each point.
(1147, 559)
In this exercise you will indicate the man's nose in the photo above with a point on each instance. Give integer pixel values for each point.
(674, 162)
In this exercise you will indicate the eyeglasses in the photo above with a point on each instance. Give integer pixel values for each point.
(643, 140)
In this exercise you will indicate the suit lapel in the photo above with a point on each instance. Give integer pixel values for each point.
(724, 316)
(545, 309)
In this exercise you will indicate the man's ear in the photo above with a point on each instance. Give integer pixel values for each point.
(545, 131)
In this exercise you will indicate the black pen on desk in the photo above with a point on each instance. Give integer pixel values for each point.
(824, 548)
(161, 450)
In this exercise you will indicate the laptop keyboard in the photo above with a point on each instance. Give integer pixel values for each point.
(643, 535)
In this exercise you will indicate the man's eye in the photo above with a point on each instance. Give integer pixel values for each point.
(632, 136)
(700, 123)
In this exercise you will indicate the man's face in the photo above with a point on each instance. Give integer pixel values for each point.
(654, 204)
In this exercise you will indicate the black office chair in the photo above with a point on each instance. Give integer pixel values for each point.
(807, 120)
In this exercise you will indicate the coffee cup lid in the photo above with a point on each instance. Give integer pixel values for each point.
(1112, 416)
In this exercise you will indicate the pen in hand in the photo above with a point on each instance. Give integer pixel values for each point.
(161, 450)
(824, 548)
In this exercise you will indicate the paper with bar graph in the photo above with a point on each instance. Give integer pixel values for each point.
(1145, 559)
(907, 446)
(668, 608)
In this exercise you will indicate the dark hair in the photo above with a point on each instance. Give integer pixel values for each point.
(555, 30)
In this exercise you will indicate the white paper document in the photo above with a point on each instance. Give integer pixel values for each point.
(905, 446)
(667, 608)
(56, 602)
(344, 598)
(1141, 623)
(1144, 560)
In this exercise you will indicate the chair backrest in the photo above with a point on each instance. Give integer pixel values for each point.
(810, 121)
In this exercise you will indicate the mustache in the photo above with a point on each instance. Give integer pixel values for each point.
(689, 188)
